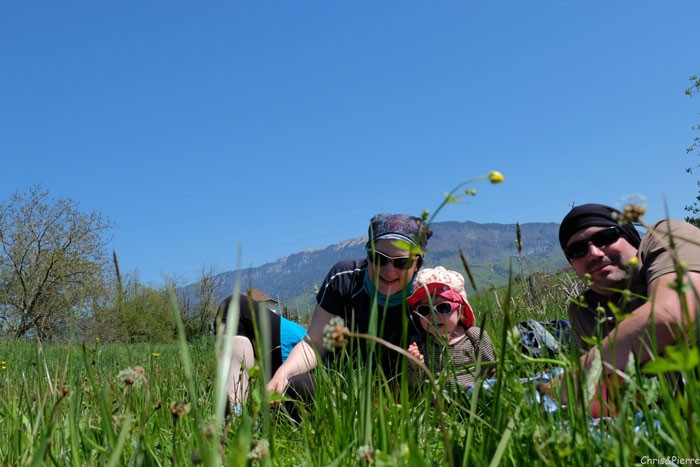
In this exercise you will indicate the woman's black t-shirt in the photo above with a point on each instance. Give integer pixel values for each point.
(342, 294)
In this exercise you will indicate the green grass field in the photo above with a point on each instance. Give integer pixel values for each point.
(95, 404)
(88, 403)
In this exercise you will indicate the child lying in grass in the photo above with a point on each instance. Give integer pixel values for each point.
(450, 341)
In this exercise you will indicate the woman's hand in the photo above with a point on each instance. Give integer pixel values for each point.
(279, 381)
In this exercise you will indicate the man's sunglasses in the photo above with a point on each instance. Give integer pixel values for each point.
(444, 308)
(600, 239)
(381, 259)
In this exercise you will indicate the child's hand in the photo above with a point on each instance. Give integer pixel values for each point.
(415, 351)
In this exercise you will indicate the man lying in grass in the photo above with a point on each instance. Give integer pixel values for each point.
(651, 282)
(450, 339)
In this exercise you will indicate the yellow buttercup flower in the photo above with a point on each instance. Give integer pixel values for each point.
(155, 354)
(496, 176)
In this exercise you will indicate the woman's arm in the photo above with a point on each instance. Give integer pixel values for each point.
(303, 356)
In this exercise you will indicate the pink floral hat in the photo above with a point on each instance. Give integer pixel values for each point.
(440, 282)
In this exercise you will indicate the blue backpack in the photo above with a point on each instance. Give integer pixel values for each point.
(544, 339)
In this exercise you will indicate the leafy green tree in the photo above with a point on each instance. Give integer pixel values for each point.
(52, 262)
(147, 316)
(139, 314)
(694, 208)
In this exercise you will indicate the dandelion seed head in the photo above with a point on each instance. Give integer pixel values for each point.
(365, 453)
(260, 450)
(633, 212)
(635, 206)
(129, 377)
(179, 409)
(209, 430)
(335, 334)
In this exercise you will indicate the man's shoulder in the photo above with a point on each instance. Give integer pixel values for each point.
(662, 237)
(670, 227)
(667, 232)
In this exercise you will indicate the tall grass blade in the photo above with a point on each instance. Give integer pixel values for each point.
(210, 456)
(115, 458)
(505, 439)
(225, 344)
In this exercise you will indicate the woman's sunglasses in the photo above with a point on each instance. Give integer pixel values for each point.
(600, 239)
(444, 308)
(381, 259)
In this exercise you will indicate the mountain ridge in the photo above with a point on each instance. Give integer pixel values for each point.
(490, 250)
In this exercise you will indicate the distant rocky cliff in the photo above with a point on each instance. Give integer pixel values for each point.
(490, 251)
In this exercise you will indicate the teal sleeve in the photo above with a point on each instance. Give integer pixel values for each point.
(290, 334)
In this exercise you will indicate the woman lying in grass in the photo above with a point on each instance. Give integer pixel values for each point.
(282, 336)
(355, 290)
(450, 340)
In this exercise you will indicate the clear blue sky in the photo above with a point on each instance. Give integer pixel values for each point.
(202, 128)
